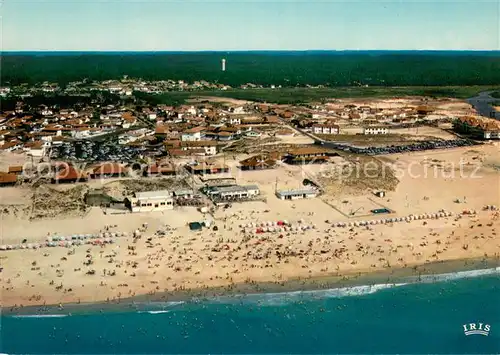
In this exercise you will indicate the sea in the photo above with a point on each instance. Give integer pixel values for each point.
(420, 315)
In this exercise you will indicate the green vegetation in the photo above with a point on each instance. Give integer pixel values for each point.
(290, 69)
(496, 94)
(304, 95)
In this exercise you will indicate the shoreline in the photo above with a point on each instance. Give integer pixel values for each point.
(346, 280)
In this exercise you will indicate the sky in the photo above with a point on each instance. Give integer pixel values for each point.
(174, 25)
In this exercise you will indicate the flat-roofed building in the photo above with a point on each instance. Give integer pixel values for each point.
(207, 168)
(375, 130)
(296, 194)
(150, 201)
(235, 192)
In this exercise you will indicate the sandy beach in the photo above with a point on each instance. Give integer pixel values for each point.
(184, 262)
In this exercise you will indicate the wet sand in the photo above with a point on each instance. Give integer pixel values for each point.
(410, 274)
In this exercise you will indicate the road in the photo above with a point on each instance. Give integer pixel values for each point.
(482, 104)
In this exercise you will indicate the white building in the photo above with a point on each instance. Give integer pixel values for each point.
(210, 147)
(150, 201)
(193, 134)
(234, 120)
(325, 129)
(376, 130)
(36, 149)
(296, 194)
(233, 192)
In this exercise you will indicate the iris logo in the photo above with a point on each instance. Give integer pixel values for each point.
(476, 329)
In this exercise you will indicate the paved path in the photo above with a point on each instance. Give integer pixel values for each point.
(482, 104)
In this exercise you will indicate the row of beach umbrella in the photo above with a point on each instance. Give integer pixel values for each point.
(76, 237)
(68, 241)
(52, 244)
(280, 229)
(280, 223)
(393, 220)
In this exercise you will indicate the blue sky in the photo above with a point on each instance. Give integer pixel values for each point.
(246, 25)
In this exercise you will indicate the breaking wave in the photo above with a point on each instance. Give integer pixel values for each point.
(283, 298)
(456, 275)
(40, 315)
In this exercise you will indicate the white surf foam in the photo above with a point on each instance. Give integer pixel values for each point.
(282, 298)
(155, 312)
(456, 275)
(40, 316)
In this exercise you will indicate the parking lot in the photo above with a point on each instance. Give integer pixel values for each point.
(95, 151)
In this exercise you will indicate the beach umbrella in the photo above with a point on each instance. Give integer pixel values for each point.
(285, 222)
(9, 247)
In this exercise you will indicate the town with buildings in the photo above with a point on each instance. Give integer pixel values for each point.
(230, 171)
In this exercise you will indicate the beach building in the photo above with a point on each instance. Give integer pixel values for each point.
(296, 194)
(150, 201)
(306, 155)
(235, 192)
(207, 168)
(375, 130)
(184, 193)
(258, 162)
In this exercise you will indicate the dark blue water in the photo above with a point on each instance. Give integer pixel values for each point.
(412, 318)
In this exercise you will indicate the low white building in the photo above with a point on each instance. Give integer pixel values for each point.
(192, 134)
(150, 201)
(296, 194)
(325, 129)
(376, 130)
(233, 192)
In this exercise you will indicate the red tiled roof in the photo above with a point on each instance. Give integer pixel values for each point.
(7, 178)
(69, 173)
(195, 129)
(109, 168)
(34, 145)
(16, 169)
